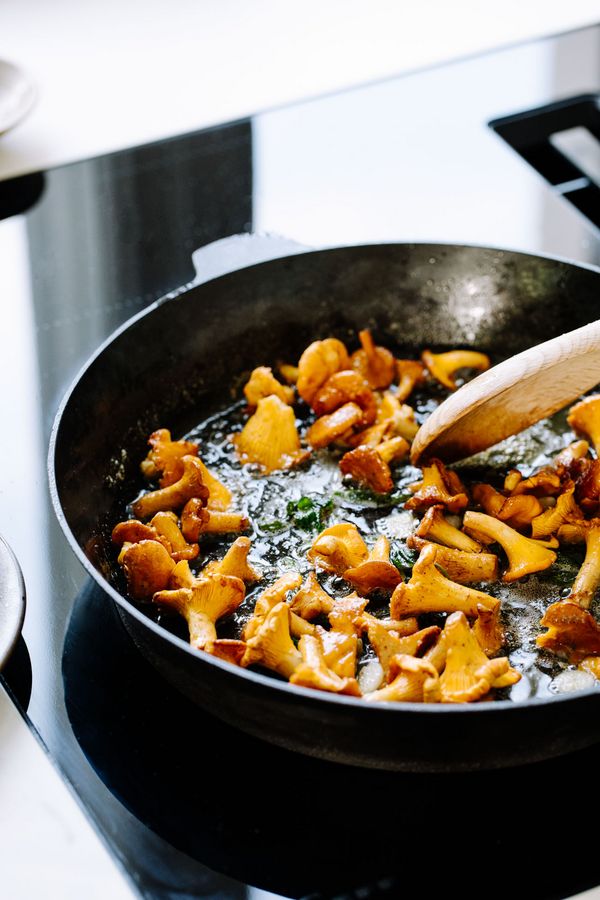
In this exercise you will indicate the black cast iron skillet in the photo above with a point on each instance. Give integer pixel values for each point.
(175, 363)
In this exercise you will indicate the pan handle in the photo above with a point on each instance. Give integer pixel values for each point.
(240, 251)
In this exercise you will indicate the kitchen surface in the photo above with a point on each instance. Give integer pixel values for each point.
(172, 802)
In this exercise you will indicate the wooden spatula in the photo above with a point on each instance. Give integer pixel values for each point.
(511, 396)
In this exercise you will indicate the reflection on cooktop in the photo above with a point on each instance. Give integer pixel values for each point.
(301, 826)
(17, 674)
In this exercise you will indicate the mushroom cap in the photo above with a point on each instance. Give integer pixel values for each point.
(235, 562)
(439, 487)
(572, 631)
(269, 437)
(338, 548)
(262, 383)
(320, 360)
(147, 566)
(584, 419)
(311, 600)
(366, 466)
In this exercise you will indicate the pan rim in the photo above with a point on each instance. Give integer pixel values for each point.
(267, 681)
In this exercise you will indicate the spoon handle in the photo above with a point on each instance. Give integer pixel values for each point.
(511, 396)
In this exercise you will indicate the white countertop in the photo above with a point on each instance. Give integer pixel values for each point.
(49, 847)
(116, 73)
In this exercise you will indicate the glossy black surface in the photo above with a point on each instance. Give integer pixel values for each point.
(301, 826)
(409, 159)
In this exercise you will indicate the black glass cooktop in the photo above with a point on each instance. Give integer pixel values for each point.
(189, 806)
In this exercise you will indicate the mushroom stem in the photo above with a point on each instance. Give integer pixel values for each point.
(435, 527)
(588, 578)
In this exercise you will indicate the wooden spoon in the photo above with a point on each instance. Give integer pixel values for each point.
(511, 396)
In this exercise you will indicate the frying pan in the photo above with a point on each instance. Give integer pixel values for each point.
(174, 364)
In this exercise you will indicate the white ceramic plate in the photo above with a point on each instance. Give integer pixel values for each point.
(17, 95)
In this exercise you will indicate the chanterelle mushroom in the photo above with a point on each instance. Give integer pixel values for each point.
(196, 520)
(132, 531)
(272, 646)
(565, 511)
(588, 578)
(269, 598)
(235, 562)
(342, 387)
(165, 457)
(175, 495)
(262, 383)
(376, 364)
(444, 366)
(488, 630)
(398, 418)
(439, 487)
(411, 372)
(524, 555)
(311, 600)
(338, 548)
(270, 437)
(218, 522)
(587, 487)
(211, 598)
(387, 644)
(435, 527)
(366, 466)
(147, 566)
(545, 483)
(313, 672)
(346, 614)
(572, 631)
(466, 568)
(166, 524)
(469, 675)
(376, 573)
(517, 511)
(219, 495)
(334, 426)
(412, 681)
(320, 360)
(430, 591)
(339, 650)
(584, 419)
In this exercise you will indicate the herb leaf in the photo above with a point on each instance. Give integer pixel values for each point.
(403, 557)
(309, 514)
